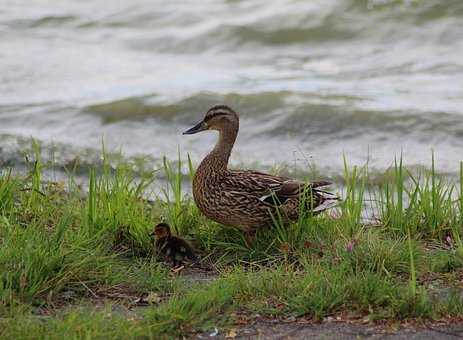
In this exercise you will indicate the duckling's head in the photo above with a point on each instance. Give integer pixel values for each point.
(219, 117)
(161, 230)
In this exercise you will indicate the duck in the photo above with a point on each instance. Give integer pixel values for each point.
(246, 199)
(173, 248)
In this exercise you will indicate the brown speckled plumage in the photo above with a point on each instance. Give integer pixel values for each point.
(172, 248)
(242, 198)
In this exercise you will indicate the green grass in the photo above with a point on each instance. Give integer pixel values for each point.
(73, 260)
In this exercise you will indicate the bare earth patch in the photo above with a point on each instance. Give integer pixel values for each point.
(327, 330)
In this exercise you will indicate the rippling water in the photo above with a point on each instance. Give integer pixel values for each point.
(311, 79)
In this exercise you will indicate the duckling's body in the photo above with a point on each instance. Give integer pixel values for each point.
(243, 198)
(172, 248)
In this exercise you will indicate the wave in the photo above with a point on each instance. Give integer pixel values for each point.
(419, 11)
(342, 123)
(279, 113)
(189, 28)
(187, 109)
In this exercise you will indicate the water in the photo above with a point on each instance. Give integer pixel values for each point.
(312, 80)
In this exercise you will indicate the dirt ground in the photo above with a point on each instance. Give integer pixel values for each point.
(329, 329)
(254, 326)
(337, 330)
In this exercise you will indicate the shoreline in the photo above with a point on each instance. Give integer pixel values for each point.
(71, 258)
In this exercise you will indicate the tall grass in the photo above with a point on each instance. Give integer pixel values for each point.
(173, 194)
(116, 206)
(8, 185)
(352, 204)
(436, 204)
(180, 211)
(58, 241)
(392, 204)
(52, 240)
(457, 228)
(421, 204)
(460, 197)
(36, 263)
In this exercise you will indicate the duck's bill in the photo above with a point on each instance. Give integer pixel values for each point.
(201, 126)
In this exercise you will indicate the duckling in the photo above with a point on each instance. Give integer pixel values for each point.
(172, 248)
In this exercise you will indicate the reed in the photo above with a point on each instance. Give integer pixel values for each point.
(352, 203)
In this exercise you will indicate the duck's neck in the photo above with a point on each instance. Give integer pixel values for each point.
(221, 153)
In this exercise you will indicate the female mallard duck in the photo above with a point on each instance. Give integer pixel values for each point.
(243, 198)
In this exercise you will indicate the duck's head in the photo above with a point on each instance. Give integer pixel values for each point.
(219, 117)
(161, 230)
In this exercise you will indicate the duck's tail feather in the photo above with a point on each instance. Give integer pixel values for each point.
(329, 200)
(327, 195)
(320, 184)
(327, 204)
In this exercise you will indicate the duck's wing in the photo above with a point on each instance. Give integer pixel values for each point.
(274, 190)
